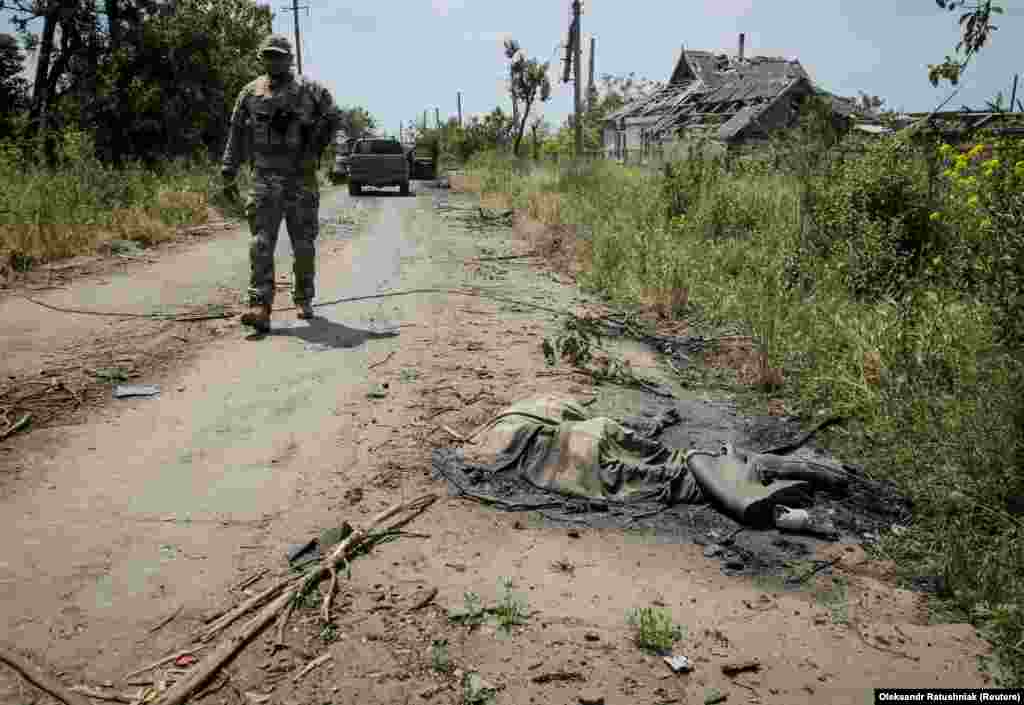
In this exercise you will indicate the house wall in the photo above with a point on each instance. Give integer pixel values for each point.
(609, 140)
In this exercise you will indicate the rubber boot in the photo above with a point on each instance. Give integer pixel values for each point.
(258, 317)
(305, 310)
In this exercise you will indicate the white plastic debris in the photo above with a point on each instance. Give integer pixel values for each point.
(678, 664)
(136, 390)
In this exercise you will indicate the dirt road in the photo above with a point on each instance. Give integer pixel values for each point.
(145, 508)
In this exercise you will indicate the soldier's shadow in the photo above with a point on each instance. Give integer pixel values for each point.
(323, 333)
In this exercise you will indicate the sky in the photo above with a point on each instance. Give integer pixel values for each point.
(398, 58)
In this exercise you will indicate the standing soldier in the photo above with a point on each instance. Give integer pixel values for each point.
(281, 123)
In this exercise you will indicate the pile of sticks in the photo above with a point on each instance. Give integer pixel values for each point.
(276, 603)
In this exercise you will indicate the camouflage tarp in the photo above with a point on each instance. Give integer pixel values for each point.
(552, 444)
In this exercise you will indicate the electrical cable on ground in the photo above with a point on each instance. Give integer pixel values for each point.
(349, 299)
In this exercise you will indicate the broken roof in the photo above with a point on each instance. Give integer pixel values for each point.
(708, 89)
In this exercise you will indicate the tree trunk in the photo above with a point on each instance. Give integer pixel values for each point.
(114, 24)
(113, 8)
(40, 86)
(521, 126)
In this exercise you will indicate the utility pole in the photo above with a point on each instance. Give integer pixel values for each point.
(577, 12)
(590, 83)
(459, 99)
(298, 38)
(437, 117)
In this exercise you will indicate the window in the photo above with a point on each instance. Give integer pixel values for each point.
(379, 147)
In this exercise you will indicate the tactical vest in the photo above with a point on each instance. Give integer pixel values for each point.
(281, 123)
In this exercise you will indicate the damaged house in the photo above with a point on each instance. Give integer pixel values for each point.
(731, 100)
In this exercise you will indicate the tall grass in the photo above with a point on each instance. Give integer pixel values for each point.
(817, 267)
(75, 208)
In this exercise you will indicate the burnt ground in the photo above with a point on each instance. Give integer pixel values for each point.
(860, 514)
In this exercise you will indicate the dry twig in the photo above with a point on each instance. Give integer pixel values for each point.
(164, 660)
(378, 364)
(330, 595)
(292, 587)
(166, 620)
(230, 616)
(425, 600)
(252, 578)
(38, 678)
(453, 433)
(311, 665)
(100, 695)
(442, 410)
(282, 622)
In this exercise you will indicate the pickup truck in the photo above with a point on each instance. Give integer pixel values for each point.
(377, 162)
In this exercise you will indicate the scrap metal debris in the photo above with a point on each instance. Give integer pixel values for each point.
(123, 391)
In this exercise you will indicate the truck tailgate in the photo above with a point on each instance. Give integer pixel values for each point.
(378, 168)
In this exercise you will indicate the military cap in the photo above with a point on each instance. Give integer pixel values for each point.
(276, 43)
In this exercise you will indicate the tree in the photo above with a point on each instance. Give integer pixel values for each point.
(528, 82)
(155, 78)
(170, 89)
(975, 29)
(13, 88)
(613, 92)
(490, 131)
(356, 122)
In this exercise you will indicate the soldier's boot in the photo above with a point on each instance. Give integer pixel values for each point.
(258, 317)
(305, 310)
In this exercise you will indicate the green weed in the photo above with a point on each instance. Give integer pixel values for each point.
(510, 610)
(329, 633)
(654, 628)
(472, 613)
(476, 691)
(440, 661)
(835, 598)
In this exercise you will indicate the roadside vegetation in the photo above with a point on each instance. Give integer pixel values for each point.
(84, 205)
(882, 278)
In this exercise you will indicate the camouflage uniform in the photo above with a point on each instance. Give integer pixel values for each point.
(280, 125)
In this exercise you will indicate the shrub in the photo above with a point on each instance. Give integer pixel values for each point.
(871, 216)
